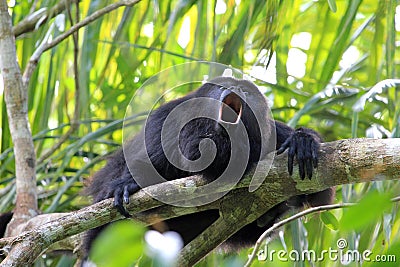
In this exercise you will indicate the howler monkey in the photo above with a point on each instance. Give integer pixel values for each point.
(225, 105)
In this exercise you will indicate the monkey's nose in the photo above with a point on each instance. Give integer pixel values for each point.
(230, 110)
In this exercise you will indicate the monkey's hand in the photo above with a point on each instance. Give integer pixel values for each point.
(121, 189)
(304, 144)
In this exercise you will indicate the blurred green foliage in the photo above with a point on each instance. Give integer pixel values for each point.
(125, 250)
(313, 60)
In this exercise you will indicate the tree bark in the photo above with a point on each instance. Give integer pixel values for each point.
(340, 162)
(17, 110)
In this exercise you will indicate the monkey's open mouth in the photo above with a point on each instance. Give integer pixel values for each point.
(230, 110)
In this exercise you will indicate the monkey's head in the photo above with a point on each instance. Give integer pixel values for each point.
(238, 101)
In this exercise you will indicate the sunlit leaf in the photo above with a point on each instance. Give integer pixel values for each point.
(369, 210)
(329, 220)
(332, 5)
(119, 245)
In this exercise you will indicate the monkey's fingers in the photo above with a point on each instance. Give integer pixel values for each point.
(126, 195)
(129, 189)
(284, 146)
(291, 153)
(119, 204)
(301, 159)
(309, 168)
(308, 157)
(123, 211)
(314, 153)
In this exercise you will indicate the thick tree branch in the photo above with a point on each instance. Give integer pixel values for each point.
(341, 162)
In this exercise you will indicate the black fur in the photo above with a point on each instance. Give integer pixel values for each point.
(5, 218)
(115, 180)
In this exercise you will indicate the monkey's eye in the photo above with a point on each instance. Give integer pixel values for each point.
(230, 110)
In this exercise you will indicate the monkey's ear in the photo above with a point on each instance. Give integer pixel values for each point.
(227, 73)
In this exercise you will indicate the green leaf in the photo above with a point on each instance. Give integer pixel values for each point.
(329, 220)
(332, 5)
(387, 257)
(370, 209)
(121, 244)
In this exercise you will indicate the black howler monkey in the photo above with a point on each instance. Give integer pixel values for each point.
(238, 101)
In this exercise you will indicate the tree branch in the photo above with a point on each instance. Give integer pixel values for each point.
(341, 162)
(48, 45)
(15, 94)
(39, 17)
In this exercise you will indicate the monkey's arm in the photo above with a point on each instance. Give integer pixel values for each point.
(120, 189)
(302, 143)
(113, 180)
